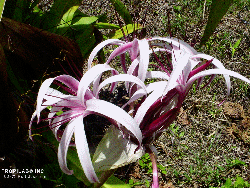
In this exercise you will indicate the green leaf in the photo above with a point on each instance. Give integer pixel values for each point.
(14, 80)
(218, 10)
(228, 183)
(70, 181)
(147, 183)
(75, 165)
(53, 18)
(21, 10)
(122, 11)
(85, 40)
(102, 25)
(236, 45)
(52, 172)
(181, 134)
(86, 20)
(114, 182)
(2, 2)
(67, 17)
(130, 28)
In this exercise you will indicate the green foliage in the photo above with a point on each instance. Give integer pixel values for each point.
(235, 46)
(215, 109)
(175, 131)
(51, 170)
(16, 80)
(239, 183)
(218, 10)
(146, 164)
(133, 183)
(127, 29)
(122, 11)
(2, 2)
(65, 19)
(56, 14)
(234, 163)
(114, 182)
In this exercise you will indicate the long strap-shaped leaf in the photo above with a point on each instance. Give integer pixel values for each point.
(218, 10)
(122, 11)
(2, 2)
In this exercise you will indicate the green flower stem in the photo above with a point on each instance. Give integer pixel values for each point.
(104, 177)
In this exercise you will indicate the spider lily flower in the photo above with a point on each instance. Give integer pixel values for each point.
(82, 100)
(161, 103)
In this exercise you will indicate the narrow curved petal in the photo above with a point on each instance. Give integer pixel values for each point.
(219, 65)
(45, 89)
(120, 50)
(83, 150)
(178, 70)
(58, 121)
(69, 81)
(138, 94)
(144, 59)
(99, 47)
(134, 49)
(225, 72)
(179, 44)
(133, 66)
(132, 70)
(121, 77)
(41, 94)
(116, 113)
(156, 94)
(96, 82)
(88, 78)
(37, 112)
(63, 147)
(123, 63)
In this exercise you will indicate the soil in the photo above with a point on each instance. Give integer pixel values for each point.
(215, 137)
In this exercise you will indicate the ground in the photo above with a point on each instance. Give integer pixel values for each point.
(209, 141)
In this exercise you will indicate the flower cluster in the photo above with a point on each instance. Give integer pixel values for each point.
(155, 97)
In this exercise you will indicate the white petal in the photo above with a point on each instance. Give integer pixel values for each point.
(177, 43)
(177, 72)
(158, 88)
(116, 113)
(99, 47)
(83, 150)
(89, 77)
(219, 65)
(58, 121)
(45, 89)
(138, 94)
(225, 72)
(133, 65)
(41, 94)
(144, 59)
(63, 147)
(121, 77)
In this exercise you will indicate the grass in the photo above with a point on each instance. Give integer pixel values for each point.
(202, 153)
